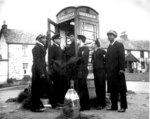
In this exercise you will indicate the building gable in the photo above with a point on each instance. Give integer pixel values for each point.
(13, 36)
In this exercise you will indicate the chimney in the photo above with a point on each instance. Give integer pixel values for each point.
(4, 27)
(124, 35)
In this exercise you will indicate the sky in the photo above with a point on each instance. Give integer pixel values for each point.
(132, 16)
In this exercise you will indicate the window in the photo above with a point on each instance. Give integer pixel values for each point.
(142, 54)
(25, 67)
(24, 49)
(143, 65)
(90, 31)
(128, 51)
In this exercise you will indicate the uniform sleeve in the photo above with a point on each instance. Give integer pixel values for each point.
(121, 57)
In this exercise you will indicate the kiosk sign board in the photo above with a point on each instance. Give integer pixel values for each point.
(73, 12)
(66, 17)
(87, 15)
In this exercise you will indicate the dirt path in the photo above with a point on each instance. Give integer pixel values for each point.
(138, 108)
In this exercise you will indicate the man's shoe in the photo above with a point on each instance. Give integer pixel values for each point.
(99, 107)
(38, 110)
(82, 109)
(111, 109)
(122, 110)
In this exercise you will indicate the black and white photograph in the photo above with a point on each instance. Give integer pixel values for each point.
(74, 59)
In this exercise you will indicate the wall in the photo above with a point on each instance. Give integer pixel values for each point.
(3, 60)
(3, 71)
(20, 55)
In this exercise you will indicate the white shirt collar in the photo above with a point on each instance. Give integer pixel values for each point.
(113, 42)
(56, 44)
(39, 43)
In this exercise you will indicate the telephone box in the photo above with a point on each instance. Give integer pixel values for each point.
(80, 20)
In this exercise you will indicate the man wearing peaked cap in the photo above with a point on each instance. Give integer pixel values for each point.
(56, 36)
(55, 58)
(113, 33)
(82, 72)
(40, 36)
(38, 73)
(82, 37)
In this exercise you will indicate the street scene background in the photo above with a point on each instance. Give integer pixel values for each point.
(25, 19)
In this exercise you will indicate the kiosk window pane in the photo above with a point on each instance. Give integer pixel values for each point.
(89, 41)
(89, 35)
(52, 27)
(88, 27)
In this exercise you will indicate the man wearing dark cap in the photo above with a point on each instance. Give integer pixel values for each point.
(38, 73)
(115, 64)
(82, 72)
(55, 58)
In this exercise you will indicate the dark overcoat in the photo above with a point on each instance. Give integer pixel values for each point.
(69, 51)
(55, 59)
(68, 54)
(115, 61)
(99, 70)
(38, 68)
(69, 67)
(81, 82)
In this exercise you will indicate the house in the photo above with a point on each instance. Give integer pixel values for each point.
(15, 53)
(137, 53)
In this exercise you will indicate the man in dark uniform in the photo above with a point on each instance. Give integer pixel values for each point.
(99, 70)
(82, 72)
(38, 73)
(55, 59)
(68, 71)
(115, 72)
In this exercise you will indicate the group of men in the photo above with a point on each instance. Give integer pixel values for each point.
(65, 66)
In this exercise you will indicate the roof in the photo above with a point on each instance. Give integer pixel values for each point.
(13, 36)
(131, 57)
(129, 44)
(76, 7)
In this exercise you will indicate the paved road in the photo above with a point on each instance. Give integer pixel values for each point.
(139, 87)
(10, 92)
(138, 106)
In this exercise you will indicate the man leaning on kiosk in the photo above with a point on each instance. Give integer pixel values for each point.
(115, 63)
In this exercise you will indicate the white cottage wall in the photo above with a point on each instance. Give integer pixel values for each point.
(17, 58)
(3, 60)
(136, 54)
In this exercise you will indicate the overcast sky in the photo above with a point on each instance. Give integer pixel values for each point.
(132, 16)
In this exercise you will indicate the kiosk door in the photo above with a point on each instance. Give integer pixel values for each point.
(52, 29)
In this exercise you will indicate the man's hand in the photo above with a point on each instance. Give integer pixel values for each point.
(121, 72)
(42, 76)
